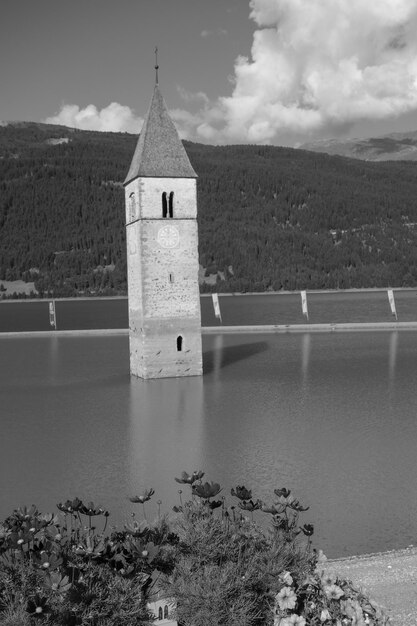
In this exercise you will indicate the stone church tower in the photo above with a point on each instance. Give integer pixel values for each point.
(162, 252)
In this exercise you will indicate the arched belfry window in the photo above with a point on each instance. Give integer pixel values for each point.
(166, 611)
(171, 204)
(160, 612)
(164, 204)
(179, 343)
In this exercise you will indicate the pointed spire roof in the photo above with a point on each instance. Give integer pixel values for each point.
(159, 151)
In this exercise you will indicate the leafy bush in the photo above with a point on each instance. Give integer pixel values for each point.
(65, 572)
(219, 564)
(229, 570)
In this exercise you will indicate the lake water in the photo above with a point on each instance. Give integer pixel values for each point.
(331, 416)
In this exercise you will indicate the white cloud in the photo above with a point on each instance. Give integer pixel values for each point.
(318, 65)
(189, 96)
(185, 123)
(115, 117)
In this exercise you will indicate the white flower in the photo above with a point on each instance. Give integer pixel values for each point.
(292, 620)
(327, 579)
(286, 598)
(333, 592)
(322, 558)
(286, 578)
(325, 615)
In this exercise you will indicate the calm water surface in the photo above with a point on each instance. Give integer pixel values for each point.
(331, 416)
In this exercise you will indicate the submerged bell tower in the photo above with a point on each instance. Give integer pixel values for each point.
(162, 252)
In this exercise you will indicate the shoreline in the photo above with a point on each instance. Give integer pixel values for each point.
(224, 330)
(390, 579)
(296, 292)
(306, 328)
(395, 552)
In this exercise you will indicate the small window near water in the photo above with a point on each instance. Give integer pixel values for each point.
(166, 611)
(179, 343)
(160, 613)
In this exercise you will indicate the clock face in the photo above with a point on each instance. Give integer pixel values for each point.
(168, 237)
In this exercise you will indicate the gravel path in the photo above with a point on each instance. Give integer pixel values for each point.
(389, 578)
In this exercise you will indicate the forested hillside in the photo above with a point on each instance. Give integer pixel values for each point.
(269, 218)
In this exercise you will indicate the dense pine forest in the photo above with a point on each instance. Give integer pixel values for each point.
(269, 218)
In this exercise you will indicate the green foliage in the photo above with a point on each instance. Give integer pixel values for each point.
(217, 564)
(224, 568)
(61, 214)
(64, 572)
(231, 571)
(269, 217)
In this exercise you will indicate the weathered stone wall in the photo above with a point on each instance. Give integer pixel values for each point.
(164, 301)
(134, 270)
(154, 353)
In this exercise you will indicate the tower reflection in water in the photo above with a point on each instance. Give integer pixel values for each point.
(194, 423)
(393, 349)
(165, 417)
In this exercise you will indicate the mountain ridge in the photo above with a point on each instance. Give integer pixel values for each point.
(270, 218)
(391, 147)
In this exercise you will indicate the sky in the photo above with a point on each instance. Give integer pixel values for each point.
(280, 72)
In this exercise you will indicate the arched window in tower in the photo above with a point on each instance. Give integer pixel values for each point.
(179, 343)
(171, 204)
(166, 611)
(160, 613)
(132, 212)
(164, 204)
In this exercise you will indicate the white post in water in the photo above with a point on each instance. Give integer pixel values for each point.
(304, 303)
(216, 306)
(52, 314)
(392, 303)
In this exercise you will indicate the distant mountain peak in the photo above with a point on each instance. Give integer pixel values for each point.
(392, 147)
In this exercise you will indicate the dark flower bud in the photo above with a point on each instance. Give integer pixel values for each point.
(307, 529)
(187, 479)
(206, 490)
(146, 495)
(296, 506)
(241, 492)
(279, 522)
(251, 505)
(214, 504)
(37, 606)
(282, 493)
(70, 506)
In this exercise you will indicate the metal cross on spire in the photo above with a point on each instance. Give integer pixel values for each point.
(156, 65)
